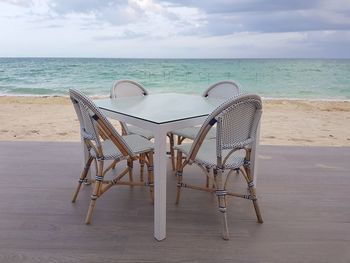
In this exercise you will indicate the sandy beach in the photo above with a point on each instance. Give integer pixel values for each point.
(284, 122)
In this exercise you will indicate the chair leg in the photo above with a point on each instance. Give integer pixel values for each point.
(150, 169)
(142, 165)
(207, 181)
(179, 171)
(96, 166)
(82, 178)
(257, 211)
(221, 194)
(252, 192)
(130, 168)
(179, 141)
(215, 174)
(96, 192)
(172, 152)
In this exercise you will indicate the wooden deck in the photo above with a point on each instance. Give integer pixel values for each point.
(304, 197)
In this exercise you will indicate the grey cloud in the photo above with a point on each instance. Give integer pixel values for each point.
(228, 17)
(331, 44)
(126, 34)
(209, 6)
(291, 21)
(17, 2)
(220, 17)
(111, 11)
(82, 6)
(228, 6)
(53, 26)
(115, 12)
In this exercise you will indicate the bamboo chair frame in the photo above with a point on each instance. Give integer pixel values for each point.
(101, 129)
(219, 186)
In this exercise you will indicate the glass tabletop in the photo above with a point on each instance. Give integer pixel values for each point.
(161, 108)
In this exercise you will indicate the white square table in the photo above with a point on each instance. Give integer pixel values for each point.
(160, 113)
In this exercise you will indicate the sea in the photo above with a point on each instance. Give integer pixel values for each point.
(311, 79)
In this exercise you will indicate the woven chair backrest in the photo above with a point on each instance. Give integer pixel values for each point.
(127, 88)
(94, 122)
(222, 90)
(88, 130)
(237, 121)
(80, 117)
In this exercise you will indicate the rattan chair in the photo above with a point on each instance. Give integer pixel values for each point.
(236, 120)
(104, 143)
(126, 88)
(220, 90)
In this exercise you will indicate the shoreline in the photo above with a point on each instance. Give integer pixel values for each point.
(107, 96)
(284, 122)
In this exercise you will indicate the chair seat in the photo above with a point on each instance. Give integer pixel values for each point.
(207, 155)
(144, 133)
(191, 132)
(137, 143)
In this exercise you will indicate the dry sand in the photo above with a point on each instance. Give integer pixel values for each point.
(284, 122)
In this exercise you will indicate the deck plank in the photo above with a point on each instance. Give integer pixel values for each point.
(304, 196)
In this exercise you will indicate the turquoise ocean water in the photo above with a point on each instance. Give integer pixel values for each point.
(273, 78)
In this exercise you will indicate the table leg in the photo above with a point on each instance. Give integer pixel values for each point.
(160, 161)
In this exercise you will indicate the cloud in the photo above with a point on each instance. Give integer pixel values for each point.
(181, 28)
(236, 6)
(205, 17)
(126, 34)
(281, 21)
(231, 16)
(198, 17)
(114, 12)
(81, 6)
(17, 2)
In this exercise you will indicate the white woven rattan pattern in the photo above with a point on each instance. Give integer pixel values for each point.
(137, 143)
(237, 115)
(142, 132)
(90, 112)
(220, 90)
(191, 132)
(126, 88)
(206, 155)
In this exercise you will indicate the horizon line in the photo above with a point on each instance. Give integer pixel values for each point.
(180, 58)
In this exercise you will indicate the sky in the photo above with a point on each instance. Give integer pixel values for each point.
(175, 29)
